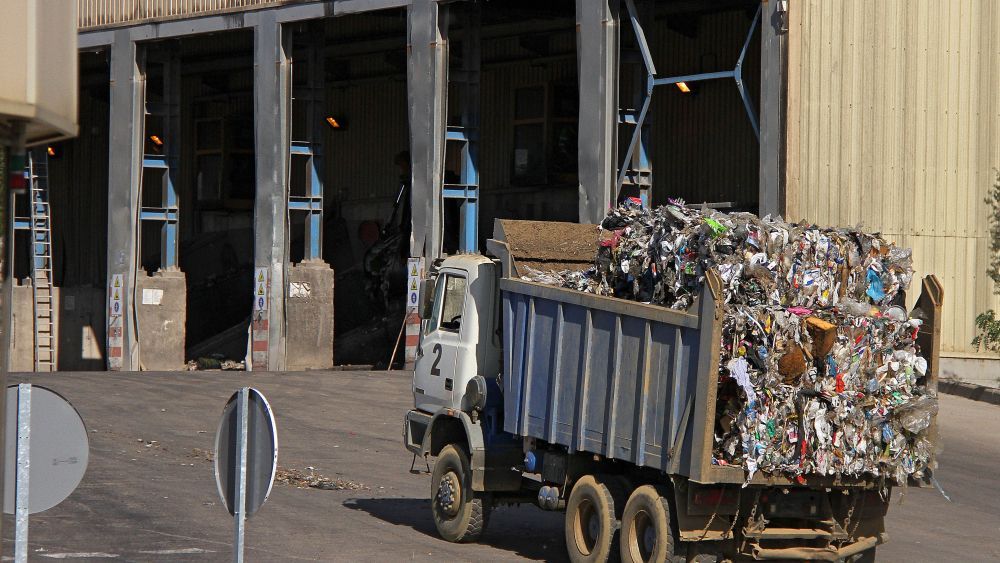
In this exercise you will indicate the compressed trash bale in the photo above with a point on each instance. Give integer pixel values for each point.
(819, 372)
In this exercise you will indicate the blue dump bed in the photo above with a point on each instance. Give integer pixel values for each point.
(612, 377)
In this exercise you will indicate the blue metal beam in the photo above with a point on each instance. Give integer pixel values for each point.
(694, 77)
(159, 214)
(305, 204)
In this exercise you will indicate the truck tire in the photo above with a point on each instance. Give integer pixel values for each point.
(460, 515)
(590, 521)
(646, 534)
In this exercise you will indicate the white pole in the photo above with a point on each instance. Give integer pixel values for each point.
(239, 508)
(23, 470)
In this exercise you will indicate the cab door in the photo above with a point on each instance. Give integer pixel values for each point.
(434, 378)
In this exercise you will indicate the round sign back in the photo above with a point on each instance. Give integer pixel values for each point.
(59, 450)
(262, 452)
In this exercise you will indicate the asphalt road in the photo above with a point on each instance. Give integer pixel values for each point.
(149, 493)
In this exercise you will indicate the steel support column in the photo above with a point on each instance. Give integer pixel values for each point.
(597, 60)
(773, 86)
(124, 170)
(272, 102)
(427, 91)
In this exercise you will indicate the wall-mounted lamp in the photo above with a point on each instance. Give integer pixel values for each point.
(156, 140)
(335, 123)
(51, 151)
(683, 87)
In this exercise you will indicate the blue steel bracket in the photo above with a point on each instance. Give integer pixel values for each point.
(155, 161)
(165, 214)
(466, 191)
(302, 148)
(168, 214)
(312, 202)
(305, 203)
(459, 134)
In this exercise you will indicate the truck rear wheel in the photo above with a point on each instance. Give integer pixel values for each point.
(460, 515)
(645, 533)
(590, 521)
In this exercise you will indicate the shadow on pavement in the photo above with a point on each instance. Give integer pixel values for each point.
(415, 513)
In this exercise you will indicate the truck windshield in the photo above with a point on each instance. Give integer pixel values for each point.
(450, 302)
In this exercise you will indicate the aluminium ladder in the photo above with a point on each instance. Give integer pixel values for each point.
(41, 260)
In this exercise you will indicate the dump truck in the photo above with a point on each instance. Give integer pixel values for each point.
(604, 408)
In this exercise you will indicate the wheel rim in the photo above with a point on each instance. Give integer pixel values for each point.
(642, 537)
(449, 494)
(586, 527)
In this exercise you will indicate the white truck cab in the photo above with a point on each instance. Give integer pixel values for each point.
(459, 338)
(458, 405)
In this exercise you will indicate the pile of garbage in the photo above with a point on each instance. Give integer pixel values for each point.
(820, 372)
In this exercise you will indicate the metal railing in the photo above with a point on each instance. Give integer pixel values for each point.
(95, 14)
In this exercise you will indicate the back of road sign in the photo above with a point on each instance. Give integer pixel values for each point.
(59, 450)
(262, 452)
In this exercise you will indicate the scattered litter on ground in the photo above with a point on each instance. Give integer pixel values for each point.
(206, 455)
(819, 369)
(215, 362)
(313, 480)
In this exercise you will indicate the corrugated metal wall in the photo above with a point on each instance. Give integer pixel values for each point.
(894, 123)
(106, 13)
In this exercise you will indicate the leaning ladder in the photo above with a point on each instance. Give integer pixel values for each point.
(41, 260)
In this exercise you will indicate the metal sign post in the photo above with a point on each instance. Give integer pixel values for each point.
(40, 424)
(246, 459)
(23, 473)
(240, 503)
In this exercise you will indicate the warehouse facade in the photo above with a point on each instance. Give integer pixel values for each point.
(234, 150)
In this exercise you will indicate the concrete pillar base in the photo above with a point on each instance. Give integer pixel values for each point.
(161, 307)
(309, 316)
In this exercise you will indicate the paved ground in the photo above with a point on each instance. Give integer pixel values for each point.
(149, 493)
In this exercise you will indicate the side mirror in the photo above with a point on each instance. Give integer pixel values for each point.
(427, 297)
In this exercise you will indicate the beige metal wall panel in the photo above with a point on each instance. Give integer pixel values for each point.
(894, 124)
(108, 13)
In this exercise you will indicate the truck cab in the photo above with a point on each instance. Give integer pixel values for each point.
(457, 412)
(459, 339)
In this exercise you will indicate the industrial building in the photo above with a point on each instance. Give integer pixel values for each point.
(245, 166)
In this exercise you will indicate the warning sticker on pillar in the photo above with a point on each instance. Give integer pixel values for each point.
(260, 289)
(259, 324)
(414, 271)
(115, 294)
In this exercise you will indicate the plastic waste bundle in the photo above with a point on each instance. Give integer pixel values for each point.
(819, 369)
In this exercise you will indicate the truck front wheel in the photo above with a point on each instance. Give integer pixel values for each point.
(459, 514)
(646, 534)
